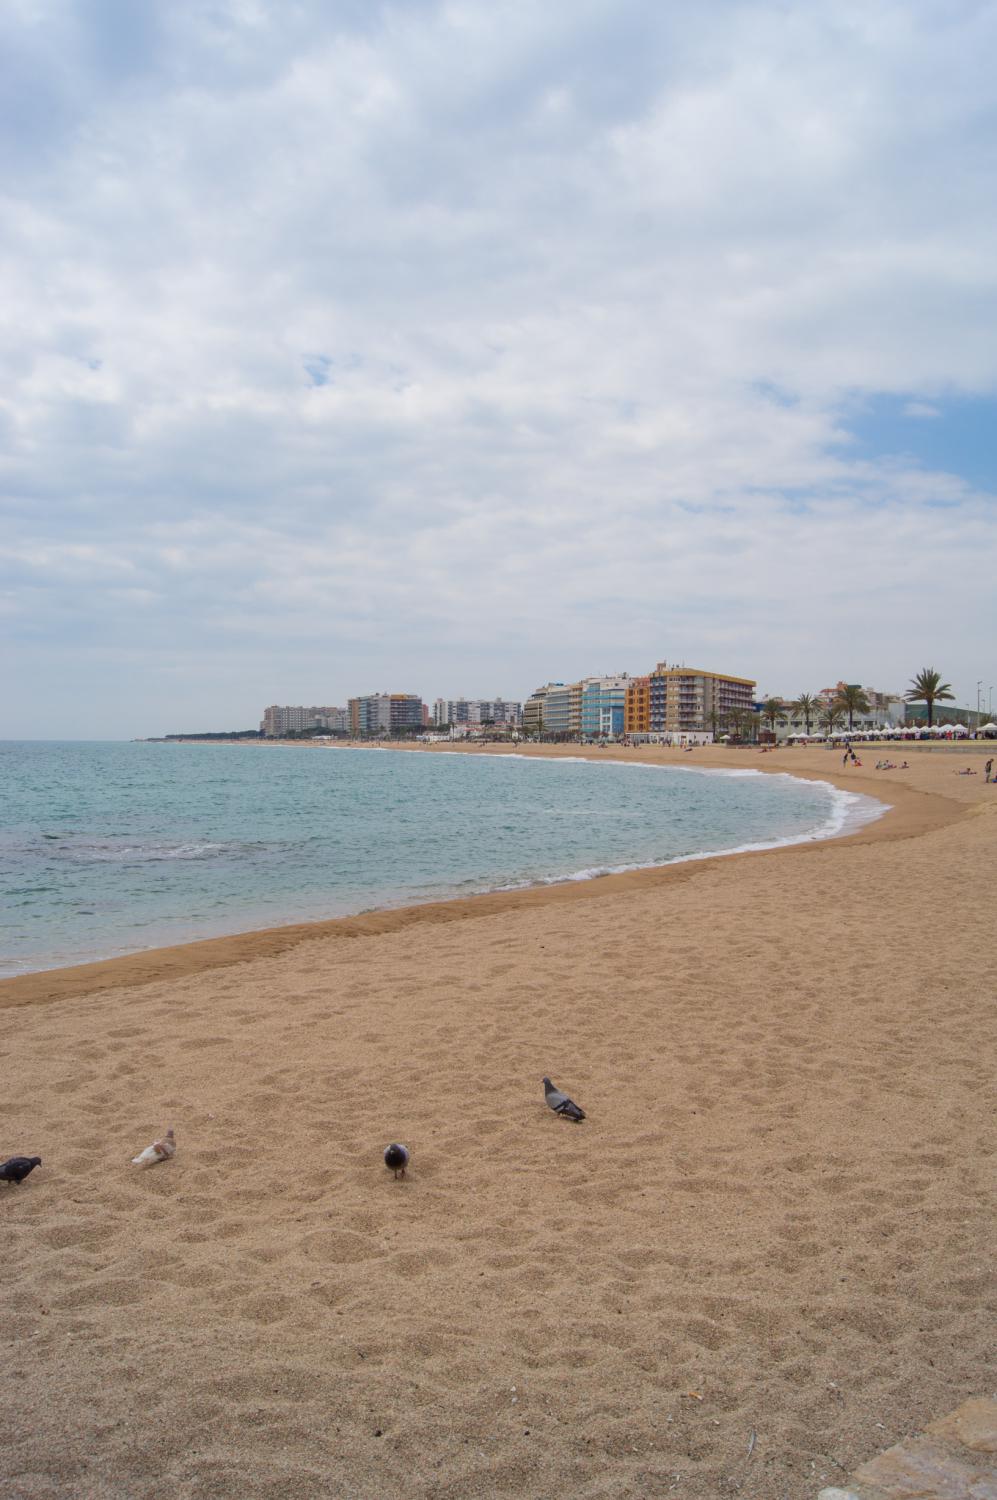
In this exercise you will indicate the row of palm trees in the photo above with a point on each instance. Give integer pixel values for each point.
(927, 687)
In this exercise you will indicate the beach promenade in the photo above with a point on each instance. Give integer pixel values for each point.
(764, 1257)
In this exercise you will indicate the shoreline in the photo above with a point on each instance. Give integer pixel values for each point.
(906, 815)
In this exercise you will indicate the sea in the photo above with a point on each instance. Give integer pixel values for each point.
(113, 848)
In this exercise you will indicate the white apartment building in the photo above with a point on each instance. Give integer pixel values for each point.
(476, 711)
(281, 719)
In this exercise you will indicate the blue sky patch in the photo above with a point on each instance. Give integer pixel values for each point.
(955, 434)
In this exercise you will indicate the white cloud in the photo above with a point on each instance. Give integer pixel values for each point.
(922, 409)
(590, 289)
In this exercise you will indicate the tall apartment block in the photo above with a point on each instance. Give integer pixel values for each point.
(281, 719)
(535, 708)
(385, 713)
(637, 708)
(562, 710)
(603, 705)
(476, 711)
(684, 700)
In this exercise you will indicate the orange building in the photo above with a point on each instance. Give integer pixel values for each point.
(637, 707)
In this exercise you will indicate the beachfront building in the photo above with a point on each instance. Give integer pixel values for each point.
(554, 711)
(385, 713)
(886, 710)
(497, 711)
(283, 719)
(637, 706)
(602, 705)
(534, 709)
(563, 711)
(335, 720)
(473, 712)
(685, 700)
(945, 713)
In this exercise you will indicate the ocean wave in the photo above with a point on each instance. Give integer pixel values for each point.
(849, 812)
(114, 851)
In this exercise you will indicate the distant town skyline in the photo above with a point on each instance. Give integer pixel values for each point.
(457, 348)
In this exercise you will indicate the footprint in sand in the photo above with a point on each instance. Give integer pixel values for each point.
(340, 1246)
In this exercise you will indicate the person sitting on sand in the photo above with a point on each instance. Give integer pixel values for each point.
(905, 767)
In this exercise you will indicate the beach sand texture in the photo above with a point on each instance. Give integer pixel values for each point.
(774, 1230)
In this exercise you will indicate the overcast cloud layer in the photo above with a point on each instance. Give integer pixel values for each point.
(450, 347)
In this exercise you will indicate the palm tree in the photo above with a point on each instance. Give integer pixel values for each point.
(806, 707)
(735, 721)
(928, 687)
(830, 717)
(851, 700)
(774, 712)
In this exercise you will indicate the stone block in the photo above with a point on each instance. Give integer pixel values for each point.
(927, 1468)
(973, 1424)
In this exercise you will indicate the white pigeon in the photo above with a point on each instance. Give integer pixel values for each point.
(158, 1151)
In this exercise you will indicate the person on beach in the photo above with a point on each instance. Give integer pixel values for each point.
(989, 767)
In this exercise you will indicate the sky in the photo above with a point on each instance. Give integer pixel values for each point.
(391, 345)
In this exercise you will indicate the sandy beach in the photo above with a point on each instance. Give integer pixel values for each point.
(765, 1255)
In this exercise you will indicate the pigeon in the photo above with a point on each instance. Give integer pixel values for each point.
(396, 1159)
(158, 1151)
(16, 1168)
(561, 1104)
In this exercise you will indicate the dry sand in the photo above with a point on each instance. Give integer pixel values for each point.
(776, 1220)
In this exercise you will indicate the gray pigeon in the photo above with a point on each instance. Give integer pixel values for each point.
(396, 1159)
(16, 1168)
(561, 1104)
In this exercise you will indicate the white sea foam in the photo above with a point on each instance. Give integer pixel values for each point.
(849, 811)
(114, 852)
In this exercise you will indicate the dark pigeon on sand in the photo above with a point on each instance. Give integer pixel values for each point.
(396, 1159)
(16, 1168)
(561, 1104)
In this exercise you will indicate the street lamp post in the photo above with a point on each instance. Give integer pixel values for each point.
(978, 687)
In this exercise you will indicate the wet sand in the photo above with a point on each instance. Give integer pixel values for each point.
(776, 1219)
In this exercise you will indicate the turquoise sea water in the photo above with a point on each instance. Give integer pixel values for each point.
(111, 848)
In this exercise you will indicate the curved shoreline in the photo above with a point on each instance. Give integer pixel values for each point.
(911, 813)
